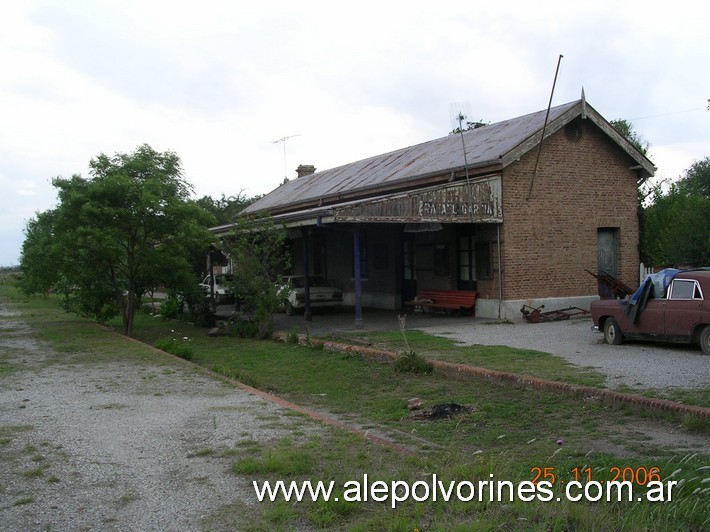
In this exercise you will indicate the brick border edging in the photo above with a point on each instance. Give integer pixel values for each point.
(464, 372)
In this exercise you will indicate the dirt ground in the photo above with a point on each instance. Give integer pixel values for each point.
(119, 445)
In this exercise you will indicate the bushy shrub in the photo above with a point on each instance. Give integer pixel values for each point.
(260, 256)
(243, 327)
(90, 305)
(191, 306)
(170, 308)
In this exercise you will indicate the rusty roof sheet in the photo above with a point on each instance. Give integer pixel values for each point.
(485, 146)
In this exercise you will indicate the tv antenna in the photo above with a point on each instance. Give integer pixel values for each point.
(283, 141)
(459, 112)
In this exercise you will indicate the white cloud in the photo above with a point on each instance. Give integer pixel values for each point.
(217, 82)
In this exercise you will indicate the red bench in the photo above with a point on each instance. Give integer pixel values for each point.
(444, 300)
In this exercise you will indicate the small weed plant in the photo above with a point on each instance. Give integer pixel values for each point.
(403, 329)
(292, 336)
(410, 362)
(696, 424)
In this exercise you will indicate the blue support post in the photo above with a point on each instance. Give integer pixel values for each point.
(358, 283)
(307, 315)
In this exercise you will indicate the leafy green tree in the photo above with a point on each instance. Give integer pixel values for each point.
(128, 229)
(677, 222)
(696, 179)
(257, 247)
(226, 208)
(645, 188)
(39, 256)
(628, 130)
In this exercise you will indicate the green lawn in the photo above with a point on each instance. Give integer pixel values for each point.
(510, 432)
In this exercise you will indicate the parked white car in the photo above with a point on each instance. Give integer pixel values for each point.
(222, 288)
(322, 292)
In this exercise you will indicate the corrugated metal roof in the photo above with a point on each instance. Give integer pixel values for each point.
(485, 146)
(488, 149)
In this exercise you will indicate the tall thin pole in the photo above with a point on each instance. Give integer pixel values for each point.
(544, 126)
(461, 118)
(500, 271)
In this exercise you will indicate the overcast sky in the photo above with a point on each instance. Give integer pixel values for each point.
(218, 82)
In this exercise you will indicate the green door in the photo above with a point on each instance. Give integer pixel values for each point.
(607, 239)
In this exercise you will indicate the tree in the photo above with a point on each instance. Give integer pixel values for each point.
(123, 232)
(627, 129)
(677, 222)
(39, 255)
(225, 209)
(258, 250)
(696, 179)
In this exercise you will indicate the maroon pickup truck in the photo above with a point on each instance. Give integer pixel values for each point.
(671, 306)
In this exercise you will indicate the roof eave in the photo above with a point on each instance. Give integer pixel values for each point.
(586, 112)
(401, 185)
(300, 218)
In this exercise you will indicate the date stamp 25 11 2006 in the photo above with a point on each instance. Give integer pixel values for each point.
(640, 476)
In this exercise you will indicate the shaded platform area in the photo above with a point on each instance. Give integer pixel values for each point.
(342, 319)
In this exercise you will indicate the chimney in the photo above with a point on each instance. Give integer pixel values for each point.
(305, 169)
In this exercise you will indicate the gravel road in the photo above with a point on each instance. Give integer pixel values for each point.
(635, 364)
(121, 446)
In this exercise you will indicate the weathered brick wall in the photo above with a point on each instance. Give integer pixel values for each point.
(549, 240)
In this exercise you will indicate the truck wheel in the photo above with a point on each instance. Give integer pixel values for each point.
(705, 340)
(612, 333)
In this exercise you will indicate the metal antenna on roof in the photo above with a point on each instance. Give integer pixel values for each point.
(460, 117)
(544, 126)
(283, 140)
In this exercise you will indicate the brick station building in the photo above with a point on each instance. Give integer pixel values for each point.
(516, 220)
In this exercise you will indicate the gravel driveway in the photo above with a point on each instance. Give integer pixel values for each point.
(635, 364)
(120, 445)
